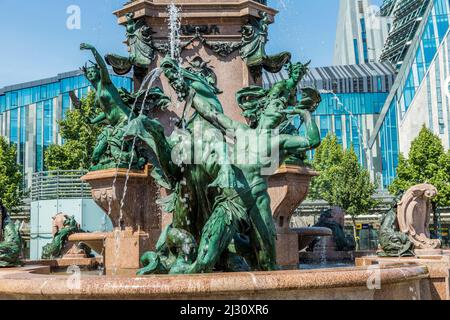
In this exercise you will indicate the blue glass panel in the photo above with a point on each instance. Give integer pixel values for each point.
(420, 65)
(324, 126)
(48, 122)
(39, 137)
(338, 128)
(364, 40)
(23, 132)
(66, 103)
(2, 103)
(14, 126)
(409, 91)
(440, 10)
(429, 42)
(356, 50)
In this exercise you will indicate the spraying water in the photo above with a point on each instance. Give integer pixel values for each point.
(155, 76)
(174, 31)
(175, 53)
(175, 38)
(133, 108)
(149, 79)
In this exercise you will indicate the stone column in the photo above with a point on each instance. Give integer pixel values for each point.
(222, 21)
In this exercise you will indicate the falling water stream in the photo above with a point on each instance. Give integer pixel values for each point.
(156, 73)
(323, 251)
(174, 31)
(150, 79)
(175, 53)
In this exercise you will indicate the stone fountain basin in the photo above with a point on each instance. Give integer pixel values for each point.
(307, 235)
(402, 281)
(94, 240)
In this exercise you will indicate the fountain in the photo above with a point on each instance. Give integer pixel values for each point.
(405, 238)
(223, 211)
(337, 248)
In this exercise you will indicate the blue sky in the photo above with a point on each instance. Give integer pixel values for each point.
(37, 44)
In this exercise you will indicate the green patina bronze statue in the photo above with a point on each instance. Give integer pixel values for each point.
(140, 44)
(11, 241)
(216, 169)
(54, 249)
(119, 106)
(231, 219)
(255, 36)
(394, 243)
(343, 242)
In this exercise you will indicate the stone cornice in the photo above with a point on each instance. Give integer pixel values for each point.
(200, 9)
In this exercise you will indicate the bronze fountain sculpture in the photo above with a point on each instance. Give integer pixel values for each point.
(222, 217)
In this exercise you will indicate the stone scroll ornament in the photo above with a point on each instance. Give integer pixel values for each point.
(10, 241)
(414, 211)
(222, 219)
(140, 43)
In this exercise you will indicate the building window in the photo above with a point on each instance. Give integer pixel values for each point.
(48, 123)
(324, 126)
(338, 128)
(356, 50)
(14, 126)
(39, 137)
(429, 42)
(23, 133)
(364, 40)
(66, 105)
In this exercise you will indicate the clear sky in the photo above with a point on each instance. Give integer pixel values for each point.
(35, 42)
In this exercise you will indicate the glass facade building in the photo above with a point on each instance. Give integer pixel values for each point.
(420, 95)
(29, 114)
(361, 32)
(352, 99)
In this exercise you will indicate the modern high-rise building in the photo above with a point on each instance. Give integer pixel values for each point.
(29, 114)
(361, 33)
(352, 99)
(407, 15)
(420, 94)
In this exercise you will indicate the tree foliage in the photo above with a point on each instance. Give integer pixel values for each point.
(427, 162)
(11, 177)
(343, 181)
(326, 157)
(79, 138)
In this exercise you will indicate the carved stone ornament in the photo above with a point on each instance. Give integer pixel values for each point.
(414, 212)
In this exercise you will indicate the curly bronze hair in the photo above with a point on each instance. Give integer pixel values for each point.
(300, 67)
(85, 68)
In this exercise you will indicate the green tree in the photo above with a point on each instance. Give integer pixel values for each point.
(326, 157)
(11, 177)
(351, 188)
(427, 162)
(79, 138)
(343, 181)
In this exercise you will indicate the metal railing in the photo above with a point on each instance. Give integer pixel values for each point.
(53, 185)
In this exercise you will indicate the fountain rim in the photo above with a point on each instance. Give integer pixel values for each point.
(121, 173)
(29, 283)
